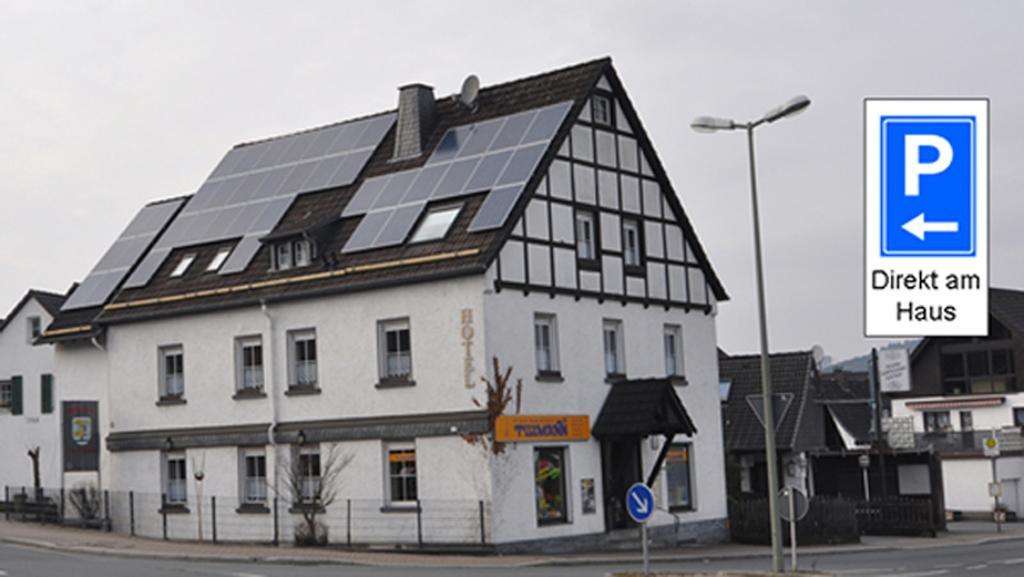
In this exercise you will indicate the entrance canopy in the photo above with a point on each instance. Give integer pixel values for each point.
(642, 408)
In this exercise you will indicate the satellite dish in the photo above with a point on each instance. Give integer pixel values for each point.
(819, 354)
(470, 91)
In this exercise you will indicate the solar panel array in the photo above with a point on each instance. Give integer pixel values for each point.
(253, 186)
(499, 155)
(125, 252)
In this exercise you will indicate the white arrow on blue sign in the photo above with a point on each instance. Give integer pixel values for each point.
(640, 502)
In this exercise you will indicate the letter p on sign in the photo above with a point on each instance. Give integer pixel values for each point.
(914, 167)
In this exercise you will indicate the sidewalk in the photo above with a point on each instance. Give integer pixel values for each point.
(96, 542)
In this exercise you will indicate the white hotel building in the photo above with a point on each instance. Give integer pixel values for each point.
(349, 286)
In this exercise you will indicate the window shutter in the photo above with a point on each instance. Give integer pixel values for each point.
(46, 405)
(16, 395)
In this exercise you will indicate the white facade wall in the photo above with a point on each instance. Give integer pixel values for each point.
(965, 481)
(452, 475)
(81, 375)
(508, 323)
(33, 428)
(347, 359)
(985, 419)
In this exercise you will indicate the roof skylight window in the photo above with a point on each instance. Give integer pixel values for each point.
(183, 264)
(436, 224)
(218, 259)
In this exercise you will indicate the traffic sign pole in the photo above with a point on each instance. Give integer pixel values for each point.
(643, 535)
(640, 507)
(792, 529)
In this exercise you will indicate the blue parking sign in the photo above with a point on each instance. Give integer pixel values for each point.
(928, 186)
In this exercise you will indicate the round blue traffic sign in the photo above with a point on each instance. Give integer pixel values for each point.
(640, 502)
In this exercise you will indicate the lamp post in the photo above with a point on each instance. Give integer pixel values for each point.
(712, 124)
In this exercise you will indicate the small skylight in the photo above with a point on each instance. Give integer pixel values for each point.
(183, 265)
(436, 224)
(218, 259)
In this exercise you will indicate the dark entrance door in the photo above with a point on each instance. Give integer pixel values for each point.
(620, 466)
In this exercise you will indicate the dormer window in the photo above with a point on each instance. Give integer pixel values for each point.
(602, 110)
(218, 259)
(183, 264)
(293, 253)
(436, 223)
(284, 256)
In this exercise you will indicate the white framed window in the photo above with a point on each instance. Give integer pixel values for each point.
(35, 328)
(966, 421)
(586, 235)
(183, 264)
(283, 256)
(937, 422)
(436, 223)
(614, 348)
(303, 253)
(551, 485)
(254, 476)
(679, 477)
(293, 254)
(395, 349)
(249, 360)
(602, 109)
(308, 463)
(218, 259)
(631, 242)
(545, 343)
(672, 337)
(401, 473)
(302, 367)
(175, 479)
(172, 371)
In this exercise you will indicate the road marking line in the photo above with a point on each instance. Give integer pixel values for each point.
(1012, 561)
(977, 567)
(922, 573)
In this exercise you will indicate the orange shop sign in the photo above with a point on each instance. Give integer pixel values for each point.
(531, 428)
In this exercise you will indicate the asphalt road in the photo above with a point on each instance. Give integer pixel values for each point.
(992, 559)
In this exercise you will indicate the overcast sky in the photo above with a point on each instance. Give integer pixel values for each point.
(107, 105)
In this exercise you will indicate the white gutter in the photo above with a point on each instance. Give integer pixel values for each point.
(271, 386)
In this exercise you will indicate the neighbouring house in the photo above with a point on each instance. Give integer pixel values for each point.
(29, 395)
(824, 427)
(349, 285)
(963, 390)
(799, 421)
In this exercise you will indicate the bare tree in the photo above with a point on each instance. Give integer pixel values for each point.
(311, 494)
(36, 481)
(499, 394)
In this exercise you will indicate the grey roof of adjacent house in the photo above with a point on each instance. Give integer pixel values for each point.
(801, 426)
(318, 213)
(847, 395)
(1008, 306)
(50, 301)
(1005, 305)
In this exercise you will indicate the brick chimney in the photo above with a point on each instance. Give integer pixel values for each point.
(415, 120)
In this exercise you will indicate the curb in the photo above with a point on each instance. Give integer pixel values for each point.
(221, 558)
(505, 561)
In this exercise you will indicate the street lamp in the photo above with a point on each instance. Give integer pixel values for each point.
(712, 124)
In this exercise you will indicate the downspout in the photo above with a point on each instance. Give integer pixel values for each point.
(105, 392)
(272, 386)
